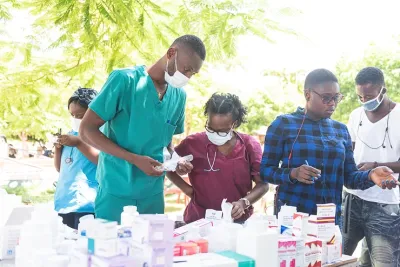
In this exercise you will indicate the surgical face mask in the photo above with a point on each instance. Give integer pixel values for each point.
(218, 140)
(178, 80)
(373, 104)
(75, 124)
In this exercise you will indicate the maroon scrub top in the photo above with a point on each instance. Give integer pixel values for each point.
(229, 177)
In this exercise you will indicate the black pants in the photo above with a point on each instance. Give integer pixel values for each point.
(72, 219)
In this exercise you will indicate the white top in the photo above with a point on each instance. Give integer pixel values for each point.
(362, 132)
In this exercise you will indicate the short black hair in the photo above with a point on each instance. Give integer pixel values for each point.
(370, 75)
(75, 100)
(194, 43)
(319, 76)
(221, 103)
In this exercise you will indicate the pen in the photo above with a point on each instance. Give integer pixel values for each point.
(309, 165)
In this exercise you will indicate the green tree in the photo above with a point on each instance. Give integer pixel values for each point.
(90, 38)
(262, 110)
(346, 71)
(271, 101)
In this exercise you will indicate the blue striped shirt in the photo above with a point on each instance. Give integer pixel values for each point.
(326, 145)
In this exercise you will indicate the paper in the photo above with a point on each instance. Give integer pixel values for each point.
(226, 208)
(171, 164)
(213, 215)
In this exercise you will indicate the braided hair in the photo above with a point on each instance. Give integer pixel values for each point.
(224, 104)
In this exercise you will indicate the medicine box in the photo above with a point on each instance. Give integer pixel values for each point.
(313, 253)
(321, 228)
(118, 261)
(103, 247)
(155, 256)
(203, 225)
(152, 229)
(331, 253)
(326, 211)
(286, 252)
(242, 261)
(300, 224)
(102, 229)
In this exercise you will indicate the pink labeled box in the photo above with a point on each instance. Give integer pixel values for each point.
(287, 252)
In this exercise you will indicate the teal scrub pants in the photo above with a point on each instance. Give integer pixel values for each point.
(110, 207)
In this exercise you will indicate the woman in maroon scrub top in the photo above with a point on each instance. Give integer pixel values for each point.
(225, 163)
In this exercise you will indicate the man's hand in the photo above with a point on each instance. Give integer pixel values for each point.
(147, 165)
(365, 166)
(305, 174)
(383, 177)
(68, 140)
(238, 209)
(184, 168)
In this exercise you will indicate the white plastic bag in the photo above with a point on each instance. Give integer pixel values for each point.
(223, 236)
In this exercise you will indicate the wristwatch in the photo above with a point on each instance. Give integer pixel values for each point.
(246, 202)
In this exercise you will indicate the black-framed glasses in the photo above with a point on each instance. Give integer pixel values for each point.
(222, 134)
(326, 99)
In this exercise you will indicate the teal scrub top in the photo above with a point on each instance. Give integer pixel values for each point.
(139, 122)
(77, 186)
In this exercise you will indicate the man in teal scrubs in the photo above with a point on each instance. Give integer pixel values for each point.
(141, 109)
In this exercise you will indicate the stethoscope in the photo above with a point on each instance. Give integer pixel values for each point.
(211, 165)
(69, 160)
(386, 131)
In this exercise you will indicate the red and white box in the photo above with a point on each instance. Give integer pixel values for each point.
(331, 253)
(203, 225)
(324, 229)
(287, 252)
(313, 253)
(300, 224)
(326, 211)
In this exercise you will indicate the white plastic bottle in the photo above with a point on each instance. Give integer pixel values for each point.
(84, 221)
(128, 216)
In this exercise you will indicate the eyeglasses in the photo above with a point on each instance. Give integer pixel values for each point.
(222, 134)
(328, 99)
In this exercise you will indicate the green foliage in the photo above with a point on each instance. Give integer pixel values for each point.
(262, 111)
(91, 38)
(388, 62)
(31, 194)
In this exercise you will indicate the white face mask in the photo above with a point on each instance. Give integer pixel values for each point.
(75, 124)
(218, 140)
(178, 80)
(373, 104)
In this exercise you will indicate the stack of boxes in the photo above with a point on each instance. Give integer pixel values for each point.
(151, 240)
(322, 227)
(147, 243)
(204, 227)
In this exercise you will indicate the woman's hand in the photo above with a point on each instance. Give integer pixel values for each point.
(69, 140)
(238, 209)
